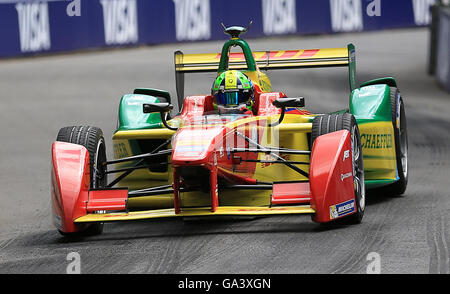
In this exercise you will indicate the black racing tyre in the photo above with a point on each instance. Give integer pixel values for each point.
(92, 139)
(401, 144)
(329, 123)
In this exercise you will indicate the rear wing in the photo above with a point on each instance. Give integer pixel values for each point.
(264, 60)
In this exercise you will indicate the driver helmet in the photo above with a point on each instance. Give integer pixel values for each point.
(233, 92)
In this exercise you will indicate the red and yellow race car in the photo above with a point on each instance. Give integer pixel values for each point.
(242, 150)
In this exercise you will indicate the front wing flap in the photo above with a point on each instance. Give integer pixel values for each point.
(190, 212)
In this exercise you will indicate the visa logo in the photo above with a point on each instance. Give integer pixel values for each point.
(279, 17)
(346, 15)
(34, 26)
(192, 20)
(120, 21)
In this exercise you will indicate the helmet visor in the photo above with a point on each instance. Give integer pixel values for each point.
(232, 97)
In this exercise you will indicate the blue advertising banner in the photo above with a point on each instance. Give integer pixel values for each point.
(39, 26)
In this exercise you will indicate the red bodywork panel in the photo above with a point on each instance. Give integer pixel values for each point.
(264, 104)
(71, 197)
(70, 184)
(331, 176)
(291, 193)
(108, 199)
(195, 106)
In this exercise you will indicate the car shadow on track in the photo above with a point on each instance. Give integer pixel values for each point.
(148, 229)
(141, 230)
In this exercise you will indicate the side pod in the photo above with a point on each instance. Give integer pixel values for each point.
(70, 185)
(331, 177)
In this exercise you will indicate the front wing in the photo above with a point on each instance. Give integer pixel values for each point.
(190, 212)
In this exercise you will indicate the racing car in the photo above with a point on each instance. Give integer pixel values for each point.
(215, 158)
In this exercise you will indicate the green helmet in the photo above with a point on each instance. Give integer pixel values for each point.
(233, 88)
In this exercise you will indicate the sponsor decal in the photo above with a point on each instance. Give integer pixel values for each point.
(191, 148)
(342, 209)
(120, 150)
(120, 21)
(346, 154)
(346, 175)
(267, 157)
(192, 20)
(376, 141)
(352, 55)
(279, 17)
(34, 26)
(346, 15)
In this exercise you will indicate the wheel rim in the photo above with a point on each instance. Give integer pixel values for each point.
(358, 170)
(403, 140)
(98, 178)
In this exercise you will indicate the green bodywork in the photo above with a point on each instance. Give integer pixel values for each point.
(371, 106)
(223, 65)
(131, 116)
(371, 103)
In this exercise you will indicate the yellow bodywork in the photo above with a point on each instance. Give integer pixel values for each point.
(197, 212)
(378, 145)
(266, 60)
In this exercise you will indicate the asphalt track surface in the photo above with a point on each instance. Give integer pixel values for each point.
(40, 95)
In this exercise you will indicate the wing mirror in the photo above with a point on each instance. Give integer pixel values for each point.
(286, 102)
(289, 102)
(163, 108)
(157, 107)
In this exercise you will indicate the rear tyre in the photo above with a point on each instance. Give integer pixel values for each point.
(92, 139)
(329, 123)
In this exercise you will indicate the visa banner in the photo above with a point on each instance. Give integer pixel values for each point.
(46, 26)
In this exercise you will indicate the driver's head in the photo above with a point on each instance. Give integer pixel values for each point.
(233, 90)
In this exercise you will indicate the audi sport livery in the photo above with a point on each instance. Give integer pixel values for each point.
(279, 160)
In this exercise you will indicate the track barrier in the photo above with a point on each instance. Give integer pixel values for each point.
(29, 27)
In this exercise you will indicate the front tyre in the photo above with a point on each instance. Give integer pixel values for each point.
(329, 123)
(92, 139)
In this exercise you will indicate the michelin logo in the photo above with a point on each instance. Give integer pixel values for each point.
(342, 209)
